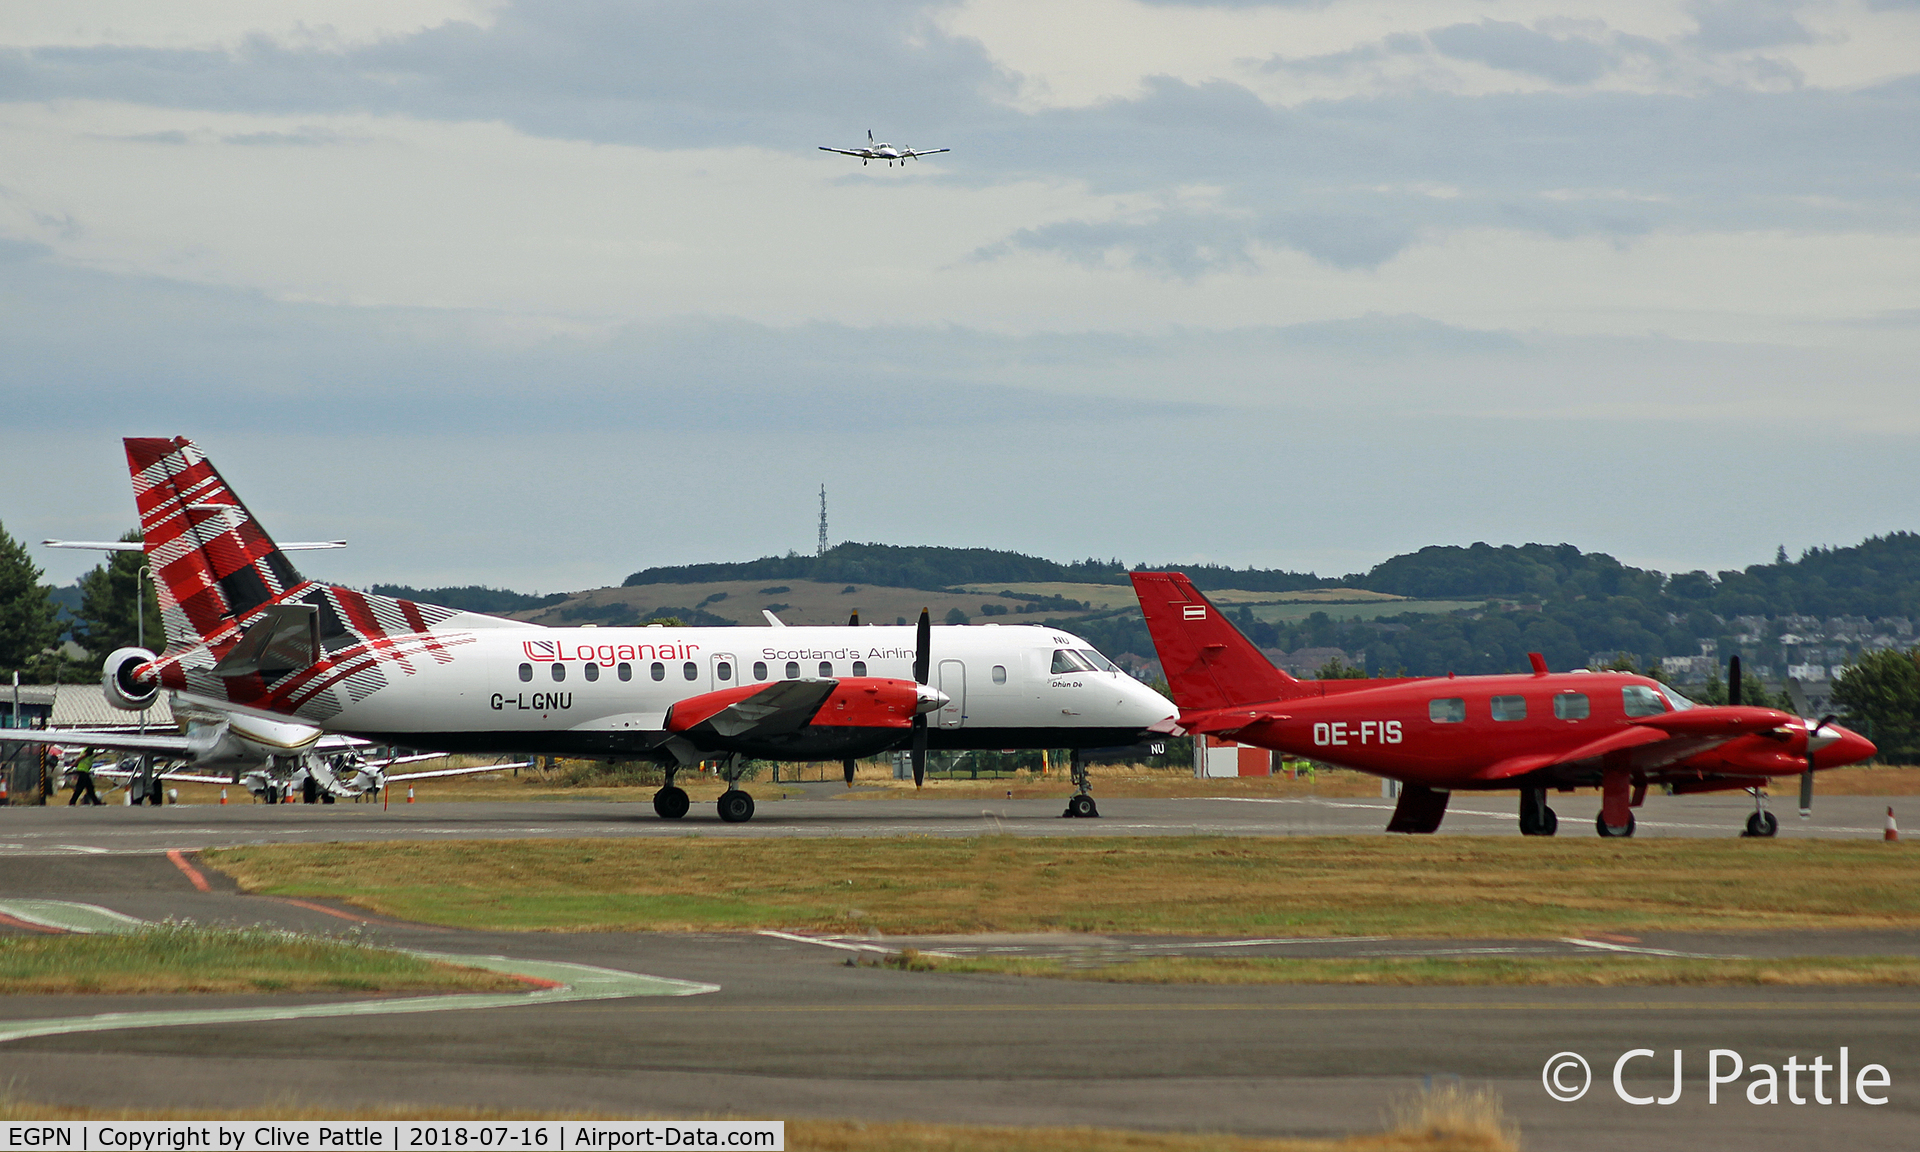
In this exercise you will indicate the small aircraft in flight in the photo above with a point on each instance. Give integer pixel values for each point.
(884, 151)
(247, 634)
(1439, 735)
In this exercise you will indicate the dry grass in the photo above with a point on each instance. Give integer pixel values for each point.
(1479, 971)
(1443, 1120)
(182, 957)
(1198, 885)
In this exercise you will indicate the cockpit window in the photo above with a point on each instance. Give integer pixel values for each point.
(1680, 703)
(1067, 660)
(1098, 661)
(1642, 700)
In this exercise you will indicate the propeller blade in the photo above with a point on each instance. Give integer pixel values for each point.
(846, 766)
(922, 646)
(1806, 777)
(853, 621)
(919, 752)
(1733, 681)
(869, 135)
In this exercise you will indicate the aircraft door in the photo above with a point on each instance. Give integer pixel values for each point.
(953, 681)
(723, 671)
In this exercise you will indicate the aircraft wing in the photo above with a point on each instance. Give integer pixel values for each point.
(861, 153)
(171, 743)
(780, 707)
(1654, 741)
(927, 152)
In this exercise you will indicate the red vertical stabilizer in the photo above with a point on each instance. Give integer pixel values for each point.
(1209, 664)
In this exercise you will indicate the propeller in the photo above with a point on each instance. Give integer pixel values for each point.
(853, 621)
(922, 643)
(846, 766)
(1806, 777)
(1733, 681)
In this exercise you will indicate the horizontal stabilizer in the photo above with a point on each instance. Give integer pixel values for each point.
(284, 638)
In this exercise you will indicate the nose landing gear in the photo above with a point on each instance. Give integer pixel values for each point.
(1080, 804)
(1762, 824)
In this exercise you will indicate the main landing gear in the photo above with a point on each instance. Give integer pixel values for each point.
(1762, 824)
(1081, 804)
(1611, 831)
(670, 803)
(734, 806)
(1536, 819)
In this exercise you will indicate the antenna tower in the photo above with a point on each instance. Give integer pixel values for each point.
(822, 549)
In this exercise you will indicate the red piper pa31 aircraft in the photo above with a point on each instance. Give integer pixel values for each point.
(1439, 735)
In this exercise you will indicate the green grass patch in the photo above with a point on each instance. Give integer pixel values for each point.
(1589, 971)
(1198, 885)
(185, 957)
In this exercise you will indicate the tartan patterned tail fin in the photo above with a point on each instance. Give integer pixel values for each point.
(212, 562)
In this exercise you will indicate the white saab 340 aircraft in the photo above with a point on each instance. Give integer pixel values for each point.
(884, 151)
(247, 634)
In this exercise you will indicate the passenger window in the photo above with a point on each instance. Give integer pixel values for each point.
(1509, 707)
(723, 670)
(1571, 706)
(559, 671)
(1065, 660)
(526, 671)
(793, 670)
(626, 670)
(592, 671)
(659, 670)
(759, 669)
(859, 667)
(826, 669)
(999, 673)
(690, 670)
(1642, 700)
(1452, 710)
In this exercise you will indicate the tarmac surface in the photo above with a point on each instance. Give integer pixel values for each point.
(60, 829)
(793, 1030)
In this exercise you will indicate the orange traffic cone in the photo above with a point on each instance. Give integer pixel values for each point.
(409, 793)
(223, 795)
(1893, 830)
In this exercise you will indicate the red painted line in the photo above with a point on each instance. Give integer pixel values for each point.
(31, 927)
(537, 982)
(312, 907)
(193, 874)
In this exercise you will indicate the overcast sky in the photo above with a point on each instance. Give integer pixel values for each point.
(538, 294)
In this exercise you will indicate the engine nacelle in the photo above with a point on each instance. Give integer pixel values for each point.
(118, 680)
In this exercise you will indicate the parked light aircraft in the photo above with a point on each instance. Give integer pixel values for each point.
(1439, 735)
(250, 635)
(883, 151)
(269, 756)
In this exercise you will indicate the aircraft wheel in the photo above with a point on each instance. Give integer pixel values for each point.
(1550, 824)
(736, 807)
(1546, 825)
(670, 803)
(1082, 806)
(1606, 830)
(1762, 824)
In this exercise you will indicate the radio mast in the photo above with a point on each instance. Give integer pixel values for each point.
(822, 549)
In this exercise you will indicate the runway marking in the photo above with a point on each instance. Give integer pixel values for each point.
(31, 927)
(193, 874)
(564, 983)
(1607, 947)
(68, 916)
(1349, 1006)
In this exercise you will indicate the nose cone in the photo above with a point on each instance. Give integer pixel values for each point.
(1140, 706)
(1847, 747)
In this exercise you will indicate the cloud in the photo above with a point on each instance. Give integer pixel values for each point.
(1738, 25)
(1512, 47)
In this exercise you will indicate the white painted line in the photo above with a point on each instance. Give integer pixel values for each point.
(845, 946)
(1609, 947)
(572, 982)
(69, 917)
